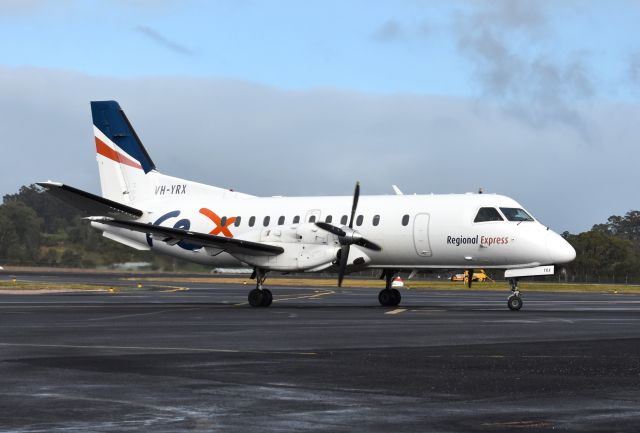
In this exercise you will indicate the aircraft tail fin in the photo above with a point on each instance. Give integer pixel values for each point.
(127, 172)
(122, 159)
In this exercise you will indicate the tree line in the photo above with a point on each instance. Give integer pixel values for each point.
(609, 252)
(37, 229)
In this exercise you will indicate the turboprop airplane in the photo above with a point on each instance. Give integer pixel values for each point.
(147, 210)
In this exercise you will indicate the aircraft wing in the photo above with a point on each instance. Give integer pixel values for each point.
(90, 203)
(171, 235)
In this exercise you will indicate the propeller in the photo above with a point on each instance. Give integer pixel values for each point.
(348, 236)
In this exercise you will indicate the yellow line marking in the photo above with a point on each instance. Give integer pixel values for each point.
(124, 316)
(175, 289)
(396, 311)
(317, 295)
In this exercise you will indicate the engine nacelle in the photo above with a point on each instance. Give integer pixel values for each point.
(305, 247)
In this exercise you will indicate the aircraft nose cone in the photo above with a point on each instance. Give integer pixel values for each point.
(560, 251)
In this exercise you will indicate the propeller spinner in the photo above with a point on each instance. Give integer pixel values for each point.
(348, 236)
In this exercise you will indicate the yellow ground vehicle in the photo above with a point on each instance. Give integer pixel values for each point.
(477, 276)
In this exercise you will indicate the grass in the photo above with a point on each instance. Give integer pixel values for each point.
(20, 285)
(410, 284)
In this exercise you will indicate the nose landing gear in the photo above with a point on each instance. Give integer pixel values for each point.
(514, 302)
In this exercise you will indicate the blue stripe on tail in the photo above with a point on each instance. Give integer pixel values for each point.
(109, 118)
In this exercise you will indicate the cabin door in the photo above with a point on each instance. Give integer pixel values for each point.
(421, 234)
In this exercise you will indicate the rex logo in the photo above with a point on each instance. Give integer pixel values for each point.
(221, 226)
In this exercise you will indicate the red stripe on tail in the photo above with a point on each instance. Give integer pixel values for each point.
(108, 152)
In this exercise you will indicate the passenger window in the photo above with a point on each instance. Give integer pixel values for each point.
(359, 220)
(487, 214)
(296, 219)
(281, 220)
(405, 220)
(266, 220)
(343, 220)
(223, 221)
(237, 222)
(328, 219)
(312, 219)
(252, 221)
(376, 220)
(516, 214)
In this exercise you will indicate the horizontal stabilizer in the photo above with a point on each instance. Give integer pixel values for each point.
(90, 203)
(172, 236)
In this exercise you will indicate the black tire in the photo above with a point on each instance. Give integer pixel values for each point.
(385, 297)
(514, 302)
(397, 297)
(256, 297)
(267, 298)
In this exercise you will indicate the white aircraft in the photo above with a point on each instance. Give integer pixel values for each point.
(147, 210)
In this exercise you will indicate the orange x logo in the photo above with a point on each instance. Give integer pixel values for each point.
(220, 228)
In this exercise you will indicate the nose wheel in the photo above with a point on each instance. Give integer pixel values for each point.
(514, 302)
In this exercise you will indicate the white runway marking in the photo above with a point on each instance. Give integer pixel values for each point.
(166, 349)
(551, 320)
(396, 311)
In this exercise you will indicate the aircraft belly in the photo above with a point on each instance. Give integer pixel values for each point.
(199, 255)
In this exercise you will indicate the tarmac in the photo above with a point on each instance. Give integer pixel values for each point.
(320, 360)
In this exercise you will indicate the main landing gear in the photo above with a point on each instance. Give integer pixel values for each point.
(260, 297)
(515, 300)
(389, 297)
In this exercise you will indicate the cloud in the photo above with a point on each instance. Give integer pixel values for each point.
(509, 45)
(161, 40)
(393, 30)
(268, 141)
(390, 31)
(15, 8)
(634, 68)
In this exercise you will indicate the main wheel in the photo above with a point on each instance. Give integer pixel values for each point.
(397, 297)
(514, 302)
(386, 298)
(267, 298)
(256, 297)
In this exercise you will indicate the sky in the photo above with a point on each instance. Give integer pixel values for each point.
(537, 100)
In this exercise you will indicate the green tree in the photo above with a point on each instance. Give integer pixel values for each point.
(599, 253)
(55, 214)
(627, 226)
(19, 233)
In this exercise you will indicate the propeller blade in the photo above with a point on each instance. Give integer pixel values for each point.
(368, 244)
(344, 256)
(356, 196)
(331, 229)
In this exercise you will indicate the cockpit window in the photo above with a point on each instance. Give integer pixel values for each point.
(515, 214)
(488, 214)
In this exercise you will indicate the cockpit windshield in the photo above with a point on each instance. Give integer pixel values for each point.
(487, 214)
(516, 214)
